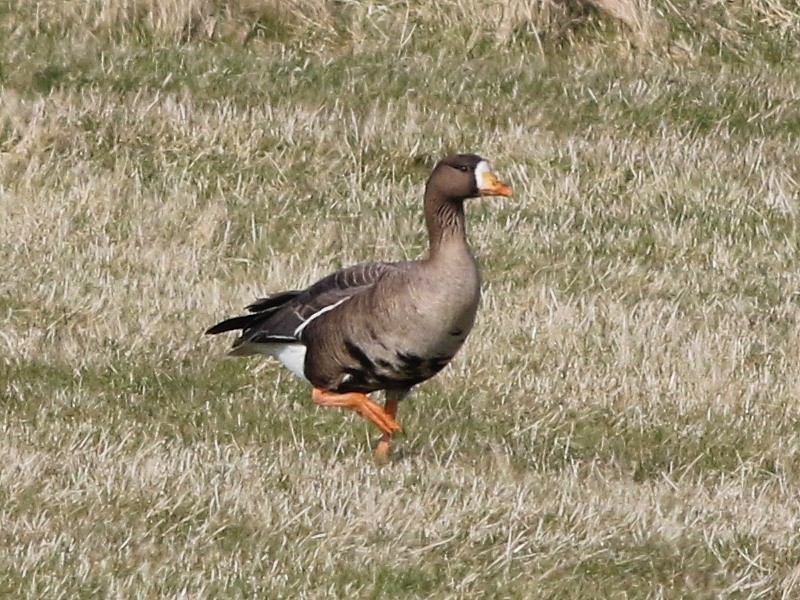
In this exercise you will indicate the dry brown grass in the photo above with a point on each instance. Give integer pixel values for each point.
(351, 23)
(623, 420)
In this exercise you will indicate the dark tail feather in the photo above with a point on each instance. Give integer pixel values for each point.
(261, 309)
(235, 323)
(273, 302)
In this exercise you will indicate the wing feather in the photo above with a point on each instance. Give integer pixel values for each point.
(281, 317)
(328, 291)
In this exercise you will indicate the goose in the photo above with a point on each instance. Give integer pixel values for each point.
(380, 325)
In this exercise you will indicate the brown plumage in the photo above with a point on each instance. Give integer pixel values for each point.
(381, 326)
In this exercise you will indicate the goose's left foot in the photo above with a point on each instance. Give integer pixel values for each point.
(360, 403)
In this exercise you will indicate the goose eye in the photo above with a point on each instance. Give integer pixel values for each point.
(463, 168)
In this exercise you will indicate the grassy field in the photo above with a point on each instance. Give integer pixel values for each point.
(623, 421)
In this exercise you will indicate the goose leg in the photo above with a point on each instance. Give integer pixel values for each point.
(383, 448)
(360, 403)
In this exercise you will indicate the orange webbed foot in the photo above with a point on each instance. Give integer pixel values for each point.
(362, 404)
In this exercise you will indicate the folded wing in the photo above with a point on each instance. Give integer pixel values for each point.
(281, 317)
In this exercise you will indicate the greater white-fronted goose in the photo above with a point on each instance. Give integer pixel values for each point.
(381, 325)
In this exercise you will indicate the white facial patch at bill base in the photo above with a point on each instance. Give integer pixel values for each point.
(481, 171)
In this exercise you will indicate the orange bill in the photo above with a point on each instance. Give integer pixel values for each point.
(492, 186)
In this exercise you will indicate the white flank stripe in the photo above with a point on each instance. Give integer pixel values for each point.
(316, 314)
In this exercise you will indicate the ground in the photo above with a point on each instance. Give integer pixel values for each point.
(623, 420)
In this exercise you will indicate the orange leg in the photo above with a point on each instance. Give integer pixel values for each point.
(361, 404)
(383, 449)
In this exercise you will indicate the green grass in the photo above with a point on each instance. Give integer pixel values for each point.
(622, 422)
